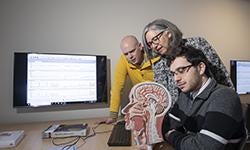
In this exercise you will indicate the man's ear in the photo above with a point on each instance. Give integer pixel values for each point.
(202, 68)
(141, 46)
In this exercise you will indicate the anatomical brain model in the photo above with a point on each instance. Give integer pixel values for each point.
(149, 102)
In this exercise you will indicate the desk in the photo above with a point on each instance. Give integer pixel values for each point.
(33, 136)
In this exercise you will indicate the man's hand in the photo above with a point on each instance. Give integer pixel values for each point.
(144, 147)
(107, 121)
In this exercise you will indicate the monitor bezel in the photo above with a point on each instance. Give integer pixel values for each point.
(20, 82)
(233, 74)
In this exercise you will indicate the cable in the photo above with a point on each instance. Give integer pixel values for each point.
(70, 143)
(63, 143)
(67, 145)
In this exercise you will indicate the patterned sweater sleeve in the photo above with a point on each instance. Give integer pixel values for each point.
(218, 69)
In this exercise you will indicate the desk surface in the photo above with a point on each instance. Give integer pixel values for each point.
(33, 136)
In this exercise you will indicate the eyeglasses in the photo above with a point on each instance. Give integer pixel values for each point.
(156, 39)
(181, 70)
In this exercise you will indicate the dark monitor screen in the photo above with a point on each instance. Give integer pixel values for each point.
(59, 79)
(240, 75)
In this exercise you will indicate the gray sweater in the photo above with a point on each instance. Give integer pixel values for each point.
(211, 121)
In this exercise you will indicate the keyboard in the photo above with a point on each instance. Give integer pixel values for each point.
(119, 135)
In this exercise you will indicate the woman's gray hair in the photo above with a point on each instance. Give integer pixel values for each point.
(161, 25)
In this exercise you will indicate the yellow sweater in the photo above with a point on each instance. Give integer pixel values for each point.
(136, 75)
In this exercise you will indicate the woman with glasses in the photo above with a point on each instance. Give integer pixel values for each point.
(164, 38)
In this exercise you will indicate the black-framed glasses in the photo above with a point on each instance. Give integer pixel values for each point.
(156, 39)
(181, 70)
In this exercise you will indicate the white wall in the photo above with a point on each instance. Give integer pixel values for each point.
(96, 27)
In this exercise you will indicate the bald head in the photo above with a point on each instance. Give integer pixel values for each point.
(128, 41)
(132, 49)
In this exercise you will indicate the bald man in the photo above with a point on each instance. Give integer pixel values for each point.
(134, 64)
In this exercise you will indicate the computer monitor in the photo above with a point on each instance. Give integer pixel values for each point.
(240, 75)
(46, 79)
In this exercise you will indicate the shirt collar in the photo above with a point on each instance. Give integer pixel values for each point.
(196, 93)
(146, 63)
